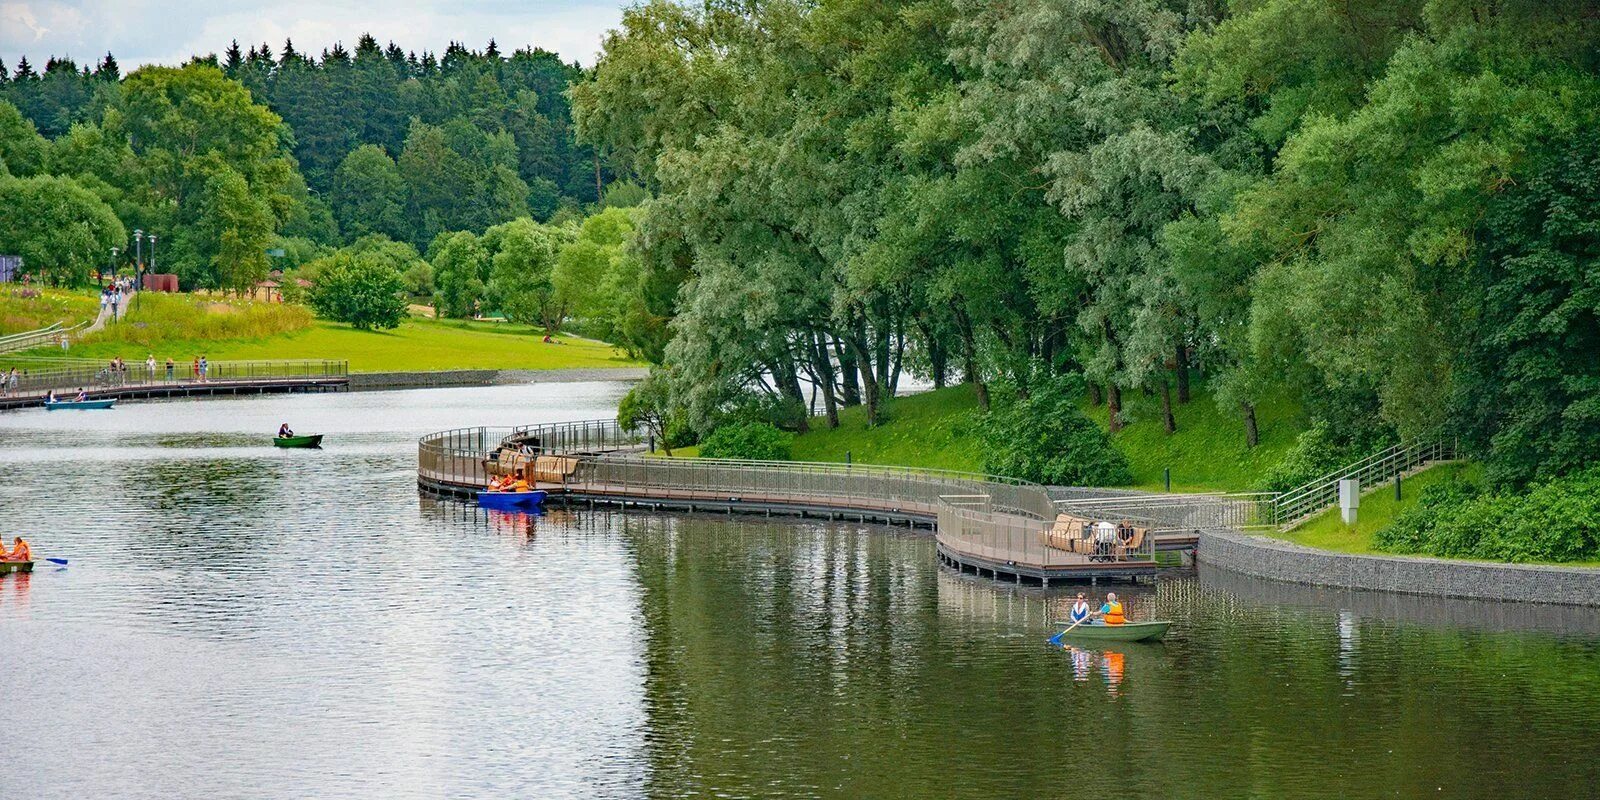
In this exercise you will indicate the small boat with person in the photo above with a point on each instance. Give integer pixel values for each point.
(83, 405)
(511, 501)
(314, 440)
(1126, 632)
(15, 566)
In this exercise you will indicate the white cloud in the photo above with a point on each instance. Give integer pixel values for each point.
(161, 31)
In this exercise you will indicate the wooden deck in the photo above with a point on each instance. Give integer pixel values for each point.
(1036, 565)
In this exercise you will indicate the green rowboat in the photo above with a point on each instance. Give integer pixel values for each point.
(297, 441)
(15, 566)
(1126, 632)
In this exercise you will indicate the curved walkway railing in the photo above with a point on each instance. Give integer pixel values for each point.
(1002, 521)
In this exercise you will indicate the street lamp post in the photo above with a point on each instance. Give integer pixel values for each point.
(138, 254)
(152, 252)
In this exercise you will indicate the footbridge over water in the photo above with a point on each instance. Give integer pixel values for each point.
(993, 526)
(99, 380)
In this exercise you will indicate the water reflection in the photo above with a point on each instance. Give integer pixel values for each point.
(237, 619)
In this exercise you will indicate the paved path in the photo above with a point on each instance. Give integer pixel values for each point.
(105, 315)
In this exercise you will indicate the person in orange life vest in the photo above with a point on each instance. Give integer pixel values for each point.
(19, 551)
(1111, 612)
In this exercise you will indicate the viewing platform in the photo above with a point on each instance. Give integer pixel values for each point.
(995, 527)
(137, 381)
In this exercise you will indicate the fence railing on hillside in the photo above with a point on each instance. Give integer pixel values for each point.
(28, 340)
(1295, 506)
(102, 376)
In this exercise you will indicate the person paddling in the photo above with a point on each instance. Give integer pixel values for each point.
(1111, 612)
(1080, 610)
(284, 432)
(20, 551)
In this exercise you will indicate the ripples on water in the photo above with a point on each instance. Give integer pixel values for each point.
(245, 621)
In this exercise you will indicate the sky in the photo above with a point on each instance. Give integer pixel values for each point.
(140, 32)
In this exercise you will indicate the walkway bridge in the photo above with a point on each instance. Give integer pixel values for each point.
(992, 526)
(36, 378)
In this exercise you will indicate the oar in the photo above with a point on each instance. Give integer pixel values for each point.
(1056, 639)
(61, 561)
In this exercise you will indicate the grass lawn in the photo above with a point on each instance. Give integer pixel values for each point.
(417, 345)
(937, 430)
(940, 429)
(1208, 452)
(1327, 531)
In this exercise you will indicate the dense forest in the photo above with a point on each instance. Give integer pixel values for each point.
(1386, 209)
(286, 151)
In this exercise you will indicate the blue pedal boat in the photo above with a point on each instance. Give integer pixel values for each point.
(80, 404)
(511, 500)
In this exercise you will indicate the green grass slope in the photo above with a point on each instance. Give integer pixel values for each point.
(940, 429)
(936, 430)
(1208, 452)
(417, 345)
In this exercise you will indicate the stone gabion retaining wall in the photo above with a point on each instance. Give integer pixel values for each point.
(1278, 560)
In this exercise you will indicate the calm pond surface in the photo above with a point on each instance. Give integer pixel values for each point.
(241, 621)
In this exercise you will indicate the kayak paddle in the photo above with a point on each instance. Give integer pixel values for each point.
(61, 561)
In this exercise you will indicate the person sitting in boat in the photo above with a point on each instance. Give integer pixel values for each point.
(50, 396)
(82, 397)
(19, 551)
(1080, 610)
(1111, 612)
(284, 432)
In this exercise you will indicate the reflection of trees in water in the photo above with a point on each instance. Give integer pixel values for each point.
(786, 659)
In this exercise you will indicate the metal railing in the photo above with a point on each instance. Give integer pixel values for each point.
(985, 516)
(1293, 507)
(36, 381)
(28, 340)
(1180, 512)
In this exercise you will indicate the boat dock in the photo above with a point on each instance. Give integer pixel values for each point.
(985, 525)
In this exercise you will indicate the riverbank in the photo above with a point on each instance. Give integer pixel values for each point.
(1275, 559)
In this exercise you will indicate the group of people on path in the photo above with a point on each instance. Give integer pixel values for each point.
(20, 551)
(1110, 612)
(116, 294)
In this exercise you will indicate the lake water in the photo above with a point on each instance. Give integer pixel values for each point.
(242, 621)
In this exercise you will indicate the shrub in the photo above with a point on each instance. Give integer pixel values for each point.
(1558, 520)
(759, 441)
(362, 290)
(1046, 438)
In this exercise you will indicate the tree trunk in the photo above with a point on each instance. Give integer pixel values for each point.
(1096, 397)
(599, 188)
(789, 384)
(1169, 422)
(869, 381)
(937, 355)
(1183, 373)
(823, 364)
(1252, 436)
(1113, 407)
(969, 357)
(847, 374)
